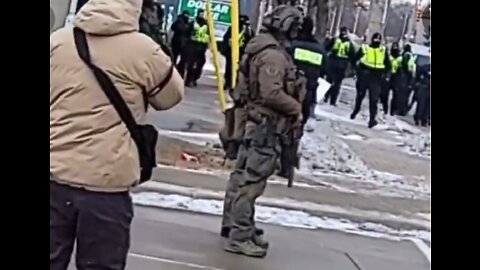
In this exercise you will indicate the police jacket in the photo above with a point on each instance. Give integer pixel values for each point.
(309, 57)
(199, 34)
(340, 53)
(181, 32)
(373, 59)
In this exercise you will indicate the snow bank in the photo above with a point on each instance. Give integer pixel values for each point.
(278, 216)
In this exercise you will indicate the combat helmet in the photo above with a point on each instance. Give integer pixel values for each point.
(282, 17)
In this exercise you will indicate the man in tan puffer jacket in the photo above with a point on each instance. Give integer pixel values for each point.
(93, 160)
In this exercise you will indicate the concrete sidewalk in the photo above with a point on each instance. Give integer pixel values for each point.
(172, 240)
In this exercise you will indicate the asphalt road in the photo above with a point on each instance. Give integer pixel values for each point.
(171, 240)
(198, 112)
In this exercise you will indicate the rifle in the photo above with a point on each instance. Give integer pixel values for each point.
(289, 158)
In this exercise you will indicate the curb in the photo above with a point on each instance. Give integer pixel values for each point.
(389, 220)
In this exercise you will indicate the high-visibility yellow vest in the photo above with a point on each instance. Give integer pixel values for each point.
(373, 57)
(307, 56)
(396, 63)
(412, 65)
(341, 48)
(241, 39)
(200, 33)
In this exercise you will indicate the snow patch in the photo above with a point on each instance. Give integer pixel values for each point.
(352, 137)
(278, 216)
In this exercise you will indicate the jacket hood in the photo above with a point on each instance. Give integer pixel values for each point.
(260, 42)
(109, 17)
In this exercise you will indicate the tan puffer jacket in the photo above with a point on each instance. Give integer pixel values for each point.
(89, 145)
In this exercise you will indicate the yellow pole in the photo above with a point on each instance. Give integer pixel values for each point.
(234, 41)
(216, 62)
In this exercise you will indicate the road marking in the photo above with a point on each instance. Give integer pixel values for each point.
(158, 259)
(424, 248)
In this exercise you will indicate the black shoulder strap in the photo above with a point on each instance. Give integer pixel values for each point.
(106, 84)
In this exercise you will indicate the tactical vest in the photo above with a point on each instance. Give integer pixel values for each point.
(200, 33)
(241, 39)
(341, 48)
(412, 66)
(307, 56)
(396, 63)
(373, 57)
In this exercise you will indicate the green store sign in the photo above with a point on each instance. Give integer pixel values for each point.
(221, 11)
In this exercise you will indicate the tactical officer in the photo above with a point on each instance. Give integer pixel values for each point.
(309, 57)
(245, 34)
(270, 89)
(407, 73)
(197, 48)
(341, 53)
(391, 83)
(422, 95)
(374, 63)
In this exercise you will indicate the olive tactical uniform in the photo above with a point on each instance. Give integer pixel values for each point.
(270, 92)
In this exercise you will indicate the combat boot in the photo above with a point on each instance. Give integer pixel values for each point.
(247, 248)
(372, 123)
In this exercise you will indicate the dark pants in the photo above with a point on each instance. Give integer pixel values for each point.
(402, 99)
(387, 87)
(335, 77)
(308, 104)
(404, 92)
(194, 62)
(98, 223)
(176, 52)
(371, 82)
(183, 62)
(422, 113)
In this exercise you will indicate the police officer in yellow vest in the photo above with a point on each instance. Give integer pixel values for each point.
(407, 73)
(391, 83)
(197, 48)
(341, 53)
(245, 34)
(374, 62)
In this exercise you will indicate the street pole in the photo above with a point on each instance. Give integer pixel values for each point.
(357, 19)
(376, 13)
(333, 20)
(414, 21)
(234, 39)
(216, 60)
(261, 13)
(339, 17)
(404, 25)
(384, 17)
